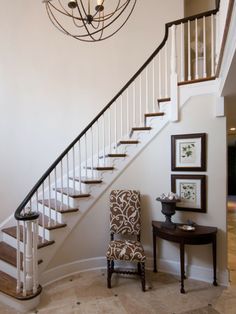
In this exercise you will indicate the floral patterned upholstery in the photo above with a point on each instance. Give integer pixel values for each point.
(125, 220)
(126, 251)
(125, 212)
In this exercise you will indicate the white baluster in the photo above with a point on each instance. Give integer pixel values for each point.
(68, 179)
(61, 164)
(127, 114)
(55, 183)
(204, 47)
(189, 54)
(29, 257)
(153, 86)
(37, 201)
(182, 63)
(159, 76)
(92, 163)
(80, 184)
(212, 47)
(140, 100)
(43, 216)
(24, 258)
(134, 104)
(86, 155)
(121, 116)
(166, 71)
(109, 134)
(35, 256)
(49, 202)
(174, 80)
(18, 262)
(196, 50)
(115, 135)
(217, 38)
(98, 141)
(147, 98)
(104, 140)
(73, 165)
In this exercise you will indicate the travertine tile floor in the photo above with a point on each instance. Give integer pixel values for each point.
(86, 293)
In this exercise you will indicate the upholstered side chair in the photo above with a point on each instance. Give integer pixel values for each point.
(125, 225)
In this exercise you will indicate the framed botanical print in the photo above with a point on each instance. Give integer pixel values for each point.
(188, 152)
(192, 191)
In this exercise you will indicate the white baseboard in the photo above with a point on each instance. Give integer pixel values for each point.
(165, 266)
(194, 272)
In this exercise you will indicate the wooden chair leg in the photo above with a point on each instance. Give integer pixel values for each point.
(139, 269)
(143, 276)
(109, 273)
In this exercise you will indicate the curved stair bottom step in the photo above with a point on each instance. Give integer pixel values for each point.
(11, 298)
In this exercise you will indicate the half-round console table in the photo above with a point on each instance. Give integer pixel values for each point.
(201, 235)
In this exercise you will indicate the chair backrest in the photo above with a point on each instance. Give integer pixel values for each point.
(125, 212)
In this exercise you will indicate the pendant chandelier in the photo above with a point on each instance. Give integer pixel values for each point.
(89, 20)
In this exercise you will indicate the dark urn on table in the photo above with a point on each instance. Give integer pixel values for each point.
(168, 209)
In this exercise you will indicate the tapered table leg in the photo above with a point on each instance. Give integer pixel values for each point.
(182, 267)
(154, 253)
(214, 260)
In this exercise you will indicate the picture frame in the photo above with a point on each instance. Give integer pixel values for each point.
(188, 152)
(192, 191)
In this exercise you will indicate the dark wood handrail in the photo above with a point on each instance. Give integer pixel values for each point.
(18, 215)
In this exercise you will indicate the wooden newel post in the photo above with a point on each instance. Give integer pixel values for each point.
(174, 78)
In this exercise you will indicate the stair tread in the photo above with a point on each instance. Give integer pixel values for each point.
(163, 99)
(116, 155)
(100, 168)
(193, 81)
(87, 180)
(72, 193)
(12, 231)
(154, 114)
(8, 286)
(8, 255)
(129, 142)
(142, 128)
(58, 206)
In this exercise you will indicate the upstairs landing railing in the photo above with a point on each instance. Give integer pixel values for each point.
(188, 54)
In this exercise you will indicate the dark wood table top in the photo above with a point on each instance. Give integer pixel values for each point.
(178, 234)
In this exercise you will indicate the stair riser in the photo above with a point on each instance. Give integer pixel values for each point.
(48, 235)
(53, 213)
(73, 201)
(8, 269)
(165, 107)
(13, 242)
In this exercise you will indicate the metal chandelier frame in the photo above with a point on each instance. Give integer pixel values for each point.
(89, 20)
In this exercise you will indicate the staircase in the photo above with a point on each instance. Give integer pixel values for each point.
(89, 165)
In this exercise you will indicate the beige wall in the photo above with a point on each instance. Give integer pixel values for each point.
(192, 7)
(51, 86)
(150, 173)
